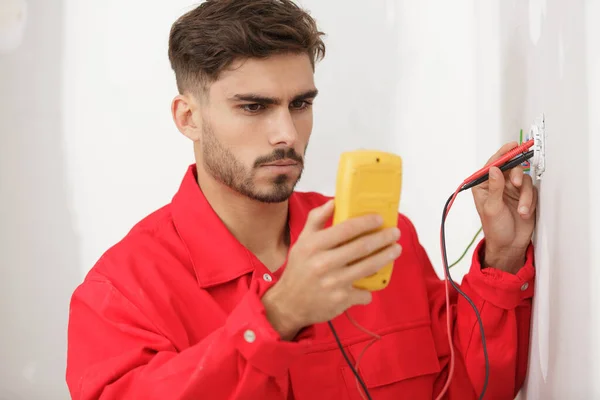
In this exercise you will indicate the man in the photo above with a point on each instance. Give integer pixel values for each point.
(225, 293)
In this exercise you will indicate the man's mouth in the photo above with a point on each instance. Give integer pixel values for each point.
(281, 163)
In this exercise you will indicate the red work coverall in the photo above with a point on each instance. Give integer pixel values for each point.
(173, 311)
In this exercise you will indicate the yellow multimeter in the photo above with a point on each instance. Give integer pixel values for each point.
(369, 182)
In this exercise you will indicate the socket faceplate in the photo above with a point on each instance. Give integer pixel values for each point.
(538, 134)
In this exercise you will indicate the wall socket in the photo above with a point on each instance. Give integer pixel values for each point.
(537, 132)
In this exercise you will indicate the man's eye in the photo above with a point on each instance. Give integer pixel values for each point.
(299, 104)
(252, 108)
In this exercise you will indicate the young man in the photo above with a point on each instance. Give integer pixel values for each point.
(225, 293)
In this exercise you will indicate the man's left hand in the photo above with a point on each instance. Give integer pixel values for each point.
(506, 204)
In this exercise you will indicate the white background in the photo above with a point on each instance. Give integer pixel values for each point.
(87, 148)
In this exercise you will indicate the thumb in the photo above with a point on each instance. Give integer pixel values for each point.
(318, 217)
(495, 200)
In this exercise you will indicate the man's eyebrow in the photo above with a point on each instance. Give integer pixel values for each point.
(256, 98)
(310, 94)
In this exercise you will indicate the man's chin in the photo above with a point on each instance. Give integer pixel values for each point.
(277, 196)
(273, 200)
(273, 194)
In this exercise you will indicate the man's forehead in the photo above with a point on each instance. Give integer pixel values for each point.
(282, 75)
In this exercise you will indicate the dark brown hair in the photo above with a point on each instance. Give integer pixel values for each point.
(206, 40)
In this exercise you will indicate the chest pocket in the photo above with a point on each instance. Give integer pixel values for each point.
(401, 365)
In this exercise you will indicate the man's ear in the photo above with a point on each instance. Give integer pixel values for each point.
(186, 115)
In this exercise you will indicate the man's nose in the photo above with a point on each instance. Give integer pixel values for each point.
(284, 130)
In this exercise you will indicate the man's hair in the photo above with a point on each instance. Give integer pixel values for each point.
(208, 39)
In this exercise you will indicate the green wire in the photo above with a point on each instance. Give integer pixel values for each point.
(467, 249)
(521, 137)
(481, 228)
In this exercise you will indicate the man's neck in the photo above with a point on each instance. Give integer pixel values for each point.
(261, 227)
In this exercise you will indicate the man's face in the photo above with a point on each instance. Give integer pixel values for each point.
(255, 122)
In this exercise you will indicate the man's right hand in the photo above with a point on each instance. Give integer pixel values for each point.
(317, 284)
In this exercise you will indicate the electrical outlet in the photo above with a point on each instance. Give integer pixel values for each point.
(538, 134)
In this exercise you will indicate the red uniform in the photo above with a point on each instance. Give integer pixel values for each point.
(173, 311)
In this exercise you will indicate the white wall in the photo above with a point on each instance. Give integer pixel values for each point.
(87, 147)
(592, 12)
(39, 247)
(550, 51)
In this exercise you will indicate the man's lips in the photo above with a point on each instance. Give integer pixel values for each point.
(281, 163)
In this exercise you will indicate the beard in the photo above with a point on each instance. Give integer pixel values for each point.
(222, 165)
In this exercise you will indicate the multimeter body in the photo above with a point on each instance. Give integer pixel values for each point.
(369, 182)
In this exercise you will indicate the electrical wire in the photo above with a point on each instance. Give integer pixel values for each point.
(359, 382)
(375, 337)
(467, 249)
(510, 160)
(352, 368)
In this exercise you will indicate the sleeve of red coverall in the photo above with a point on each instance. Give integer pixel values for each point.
(504, 303)
(115, 352)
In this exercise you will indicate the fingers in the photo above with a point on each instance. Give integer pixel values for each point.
(516, 176)
(503, 150)
(479, 191)
(369, 265)
(318, 217)
(363, 246)
(359, 296)
(527, 198)
(344, 232)
(495, 201)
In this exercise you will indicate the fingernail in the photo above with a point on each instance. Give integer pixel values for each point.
(378, 219)
(396, 233)
(523, 210)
